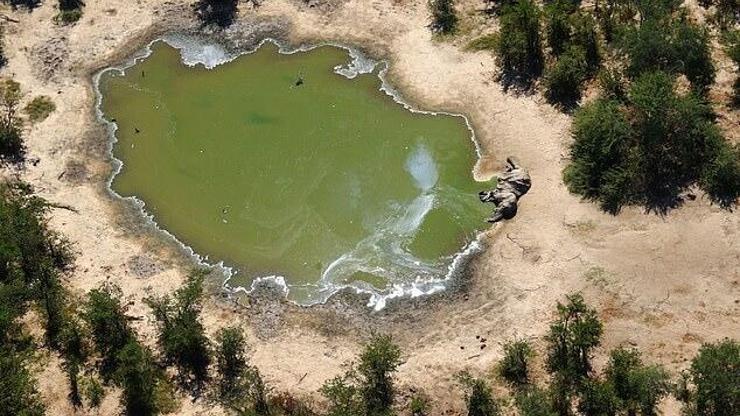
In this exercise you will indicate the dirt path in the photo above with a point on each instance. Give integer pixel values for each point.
(662, 284)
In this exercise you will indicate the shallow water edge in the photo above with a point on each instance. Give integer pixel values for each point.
(210, 52)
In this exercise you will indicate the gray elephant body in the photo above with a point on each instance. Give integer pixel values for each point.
(512, 184)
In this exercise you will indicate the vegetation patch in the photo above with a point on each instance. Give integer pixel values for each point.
(39, 109)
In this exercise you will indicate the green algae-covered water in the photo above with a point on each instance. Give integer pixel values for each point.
(321, 185)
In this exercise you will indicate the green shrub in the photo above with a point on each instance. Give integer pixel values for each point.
(70, 11)
(572, 339)
(602, 133)
(514, 367)
(68, 17)
(672, 45)
(519, 49)
(105, 315)
(138, 376)
(19, 394)
(721, 175)
(181, 334)
(649, 149)
(93, 392)
(231, 362)
(444, 19)
(715, 374)
(344, 396)
(533, 401)
(557, 24)
(478, 396)
(39, 109)
(586, 37)
(638, 387)
(419, 405)
(597, 398)
(11, 139)
(564, 80)
(216, 12)
(378, 362)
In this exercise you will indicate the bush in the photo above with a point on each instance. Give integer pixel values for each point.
(105, 315)
(668, 143)
(557, 24)
(378, 362)
(586, 38)
(93, 392)
(216, 12)
(181, 333)
(11, 139)
(715, 375)
(19, 395)
(519, 49)
(672, 45)
(344, 396)
(514, 367)
(571, 340)
(721, 175)
(32, 256)
(138, 376)
(231, 362)
(444, 19)
(70, 11)
(637, 387)
(601, 132)
(564, 80)
(419, 405)
(533, 401)
(74, 354)
(597, 399)
(39, 108)
(478, 397)
(28, 4)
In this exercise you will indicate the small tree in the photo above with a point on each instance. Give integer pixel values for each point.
(519, 49)
(564, 80)
(444, 19)
(514, 367)
(19, 395)
(534, 401)
(70, 11)
(638, 387)
(106, 317)
(598, 398)
(713, 381)
(378, 362)
(557, 24)
(74, 353)
(216, 12)
(11, 139)
(231, 362)
(344, 396)
(571, 340)
(138, 376)
(478, 396)
(181, 333)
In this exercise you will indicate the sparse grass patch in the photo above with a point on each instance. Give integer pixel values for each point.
(39, 108)
(483, 43)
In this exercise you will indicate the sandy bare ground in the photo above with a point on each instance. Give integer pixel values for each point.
(663, 284)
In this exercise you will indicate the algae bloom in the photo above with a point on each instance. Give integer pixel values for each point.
(279, 166)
